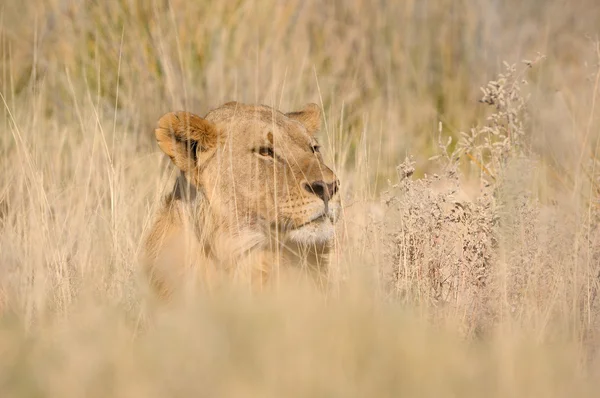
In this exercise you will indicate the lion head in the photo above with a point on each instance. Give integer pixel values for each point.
(258, 168)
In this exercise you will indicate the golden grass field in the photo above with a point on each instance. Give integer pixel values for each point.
(476, 275)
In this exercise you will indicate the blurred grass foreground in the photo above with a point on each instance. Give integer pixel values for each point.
(468, 259)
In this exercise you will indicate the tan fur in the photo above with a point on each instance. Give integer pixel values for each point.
(243, 206)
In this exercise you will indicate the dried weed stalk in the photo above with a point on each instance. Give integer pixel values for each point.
(501, 252)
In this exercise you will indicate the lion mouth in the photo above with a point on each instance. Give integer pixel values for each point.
(319, 218)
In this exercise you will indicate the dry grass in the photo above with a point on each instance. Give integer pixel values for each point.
(474, 273)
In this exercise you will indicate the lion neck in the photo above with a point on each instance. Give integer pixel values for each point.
(228, 244)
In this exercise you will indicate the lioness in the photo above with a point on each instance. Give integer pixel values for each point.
(253, 196)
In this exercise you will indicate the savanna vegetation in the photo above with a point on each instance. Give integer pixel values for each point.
(465, 135)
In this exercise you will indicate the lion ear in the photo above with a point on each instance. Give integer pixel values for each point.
(187, 139)
(309, 116)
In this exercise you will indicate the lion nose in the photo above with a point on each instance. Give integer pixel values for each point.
(322, 189)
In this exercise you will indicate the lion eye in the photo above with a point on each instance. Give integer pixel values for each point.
(266, 151)
(315, 148)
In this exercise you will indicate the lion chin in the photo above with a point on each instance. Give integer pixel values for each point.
(319, 231)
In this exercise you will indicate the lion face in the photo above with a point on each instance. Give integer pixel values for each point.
(259, 169)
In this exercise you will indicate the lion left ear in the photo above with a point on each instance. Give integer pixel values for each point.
(187, 139)
(309, 116)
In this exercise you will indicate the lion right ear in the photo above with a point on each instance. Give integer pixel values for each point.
(309, 116)
(187, 139)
